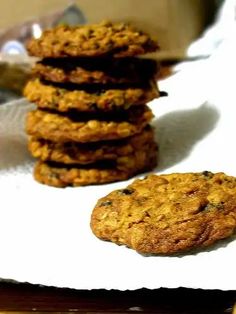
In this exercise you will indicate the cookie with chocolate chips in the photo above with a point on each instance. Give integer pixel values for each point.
(166, 214)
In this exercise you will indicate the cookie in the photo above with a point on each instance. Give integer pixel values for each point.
(62, 99)
(60, 175)
(165, 214)
(117, 39)
(96, 70)
(80, 127)
(84, 153)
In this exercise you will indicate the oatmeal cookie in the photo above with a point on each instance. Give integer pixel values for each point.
(164, 214)
(87, 128)
(117, 39)
(60, 175)
(84, 153)
(96, 70)
(64, 99)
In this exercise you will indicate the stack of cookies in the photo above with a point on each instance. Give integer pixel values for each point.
(91, 125)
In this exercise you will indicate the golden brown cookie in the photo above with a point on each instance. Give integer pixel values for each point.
(62, 99)
(84, 153)
(165, 214)
(96, 70)
(80, 127)
(60, 175)
(117, 39)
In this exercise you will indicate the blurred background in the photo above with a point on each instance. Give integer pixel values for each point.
(174, 23)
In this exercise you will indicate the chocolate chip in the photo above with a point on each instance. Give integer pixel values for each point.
(163, 94)
(106, 203)
(204, 207)
(207, 174)
(126, 191)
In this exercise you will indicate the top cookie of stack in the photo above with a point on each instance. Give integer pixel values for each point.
(118, 40)
(90, 87)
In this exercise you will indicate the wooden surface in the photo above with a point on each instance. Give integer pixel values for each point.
(31, 298)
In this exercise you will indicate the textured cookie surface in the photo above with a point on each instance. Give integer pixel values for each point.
(60, 175)
(87, 128)
(84, 153)
(61, 99)
(118, 39)
(168, 213)
(96, 70)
